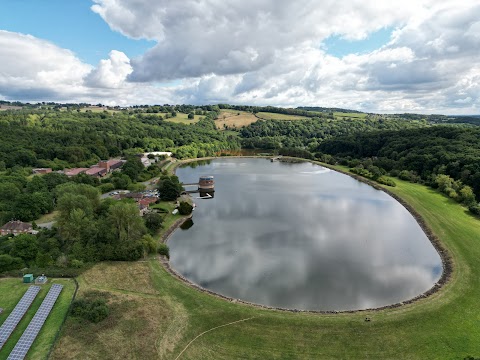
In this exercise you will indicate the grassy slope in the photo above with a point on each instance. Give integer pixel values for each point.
(11, 291)
(353, 116)
(183, 119)
(444, 326)
(232, 118)
(274, 116)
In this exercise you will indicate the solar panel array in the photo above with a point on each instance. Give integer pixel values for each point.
(28, 337)
(17, 314)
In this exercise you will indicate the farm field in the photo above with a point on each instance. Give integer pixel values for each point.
(353, 116)
(234, 119)
(183, 119)
(12, 290)
(154, 315)
(274, 116)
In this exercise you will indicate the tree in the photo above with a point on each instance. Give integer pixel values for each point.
(8, 262)
(191, 116)
(444, 182)
(169, 187)
(92, 194)
(185, 208)
(125, 222)
(25, 247)
(153, 221)
(467, 196)
(133, 167)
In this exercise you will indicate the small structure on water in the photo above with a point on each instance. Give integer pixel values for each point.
(206, 183)
(205, 186)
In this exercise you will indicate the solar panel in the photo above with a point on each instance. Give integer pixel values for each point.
(28, 337)
(17, 314)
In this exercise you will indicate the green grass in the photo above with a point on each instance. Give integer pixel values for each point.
(11, 291)
(47, 217)
(443, 326)
(353, 116)
(274, 116)
(183, 119)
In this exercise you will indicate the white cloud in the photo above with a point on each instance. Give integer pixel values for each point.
(34, 66)
(196, 38)
(110, 73)
(265, 52)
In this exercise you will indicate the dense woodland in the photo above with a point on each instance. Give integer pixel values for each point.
(412, 147)
(425, 153)
(59, 139)
(274, 134)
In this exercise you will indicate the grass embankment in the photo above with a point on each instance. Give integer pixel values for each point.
(11, 291)
(157, 315)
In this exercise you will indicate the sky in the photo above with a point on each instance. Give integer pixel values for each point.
(418, 56)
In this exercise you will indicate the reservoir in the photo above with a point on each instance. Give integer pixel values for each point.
(299, 236)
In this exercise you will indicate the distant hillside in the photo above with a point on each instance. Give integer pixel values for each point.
(324, 109)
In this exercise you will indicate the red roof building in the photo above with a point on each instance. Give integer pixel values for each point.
(96, 171)
(16, 227)
(75, 171)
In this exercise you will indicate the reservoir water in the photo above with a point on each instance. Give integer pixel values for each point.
(300, 236)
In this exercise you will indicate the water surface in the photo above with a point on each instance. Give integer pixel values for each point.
(300, 236)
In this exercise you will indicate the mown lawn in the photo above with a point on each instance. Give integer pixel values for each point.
(443, 326)
(11, 291)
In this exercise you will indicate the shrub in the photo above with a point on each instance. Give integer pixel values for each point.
(386, 181)
(164, 250)
(474, 209)
(107, 187)
(8, 262)
(77, 264)
(185, 208)
(93, 307)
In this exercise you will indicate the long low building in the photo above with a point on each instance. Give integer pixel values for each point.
(96, 171)
(75, 171)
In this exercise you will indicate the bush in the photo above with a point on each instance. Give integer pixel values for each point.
(185, 208)
(107, 187)
(405, 175)
(164, 250)
(77, 264)
(474, 209)
(8, 262)
(153, 221)
(93, 307)
(386, 181)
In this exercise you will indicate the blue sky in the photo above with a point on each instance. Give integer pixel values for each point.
(337, 46)
(69, 24)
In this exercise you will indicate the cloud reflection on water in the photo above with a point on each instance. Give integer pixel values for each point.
(292, 236)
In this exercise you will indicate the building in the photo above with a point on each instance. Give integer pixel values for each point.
(40, 171)
(96, 171)
(206, 183)
(111, 165)
(154, 156)
(16, 227)
(75, 171)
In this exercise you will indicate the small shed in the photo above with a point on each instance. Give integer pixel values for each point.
(28, 278)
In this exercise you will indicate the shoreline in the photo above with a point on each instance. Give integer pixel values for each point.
(447, 263)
